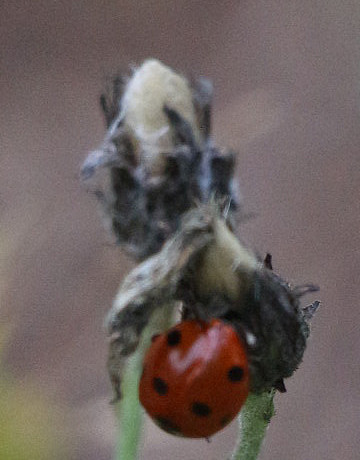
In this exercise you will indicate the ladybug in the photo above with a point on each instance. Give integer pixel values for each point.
(195, 378)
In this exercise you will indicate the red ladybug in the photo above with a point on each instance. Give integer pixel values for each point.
(195, 378)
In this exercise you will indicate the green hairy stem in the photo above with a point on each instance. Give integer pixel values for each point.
(129, 412)
(253, 422)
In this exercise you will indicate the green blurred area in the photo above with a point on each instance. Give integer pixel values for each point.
(28, 424)
(29, 421)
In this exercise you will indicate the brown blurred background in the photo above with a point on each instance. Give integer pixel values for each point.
(286, 76)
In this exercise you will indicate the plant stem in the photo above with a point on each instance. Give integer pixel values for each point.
(128, 410)
(253, 421)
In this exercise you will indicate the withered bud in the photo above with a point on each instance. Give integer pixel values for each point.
(157, 159)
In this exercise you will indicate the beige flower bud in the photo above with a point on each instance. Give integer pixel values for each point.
(152, 86)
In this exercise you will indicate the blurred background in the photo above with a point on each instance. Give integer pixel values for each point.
(286, 77)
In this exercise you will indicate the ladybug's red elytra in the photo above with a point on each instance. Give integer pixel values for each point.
(195, 378)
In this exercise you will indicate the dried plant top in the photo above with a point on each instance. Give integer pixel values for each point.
(157, 159)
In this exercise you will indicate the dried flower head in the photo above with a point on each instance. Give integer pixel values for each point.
(157, 159)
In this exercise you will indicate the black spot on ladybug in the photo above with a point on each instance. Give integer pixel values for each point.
(160, 386)
(167, 425)
(235, 374)
(200, 409)
(174, 338)
(225, 420)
